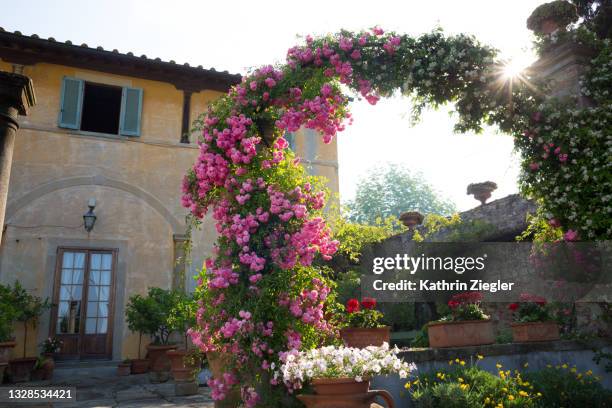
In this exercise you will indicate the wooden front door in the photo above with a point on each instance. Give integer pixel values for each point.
(83, 302)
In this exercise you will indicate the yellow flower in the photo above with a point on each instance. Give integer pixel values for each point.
(464, 387)
(511, 397)
(462, 362)
(450, 362)
(502, 375)
(573, 370)
(407, 385)
(460, 379)
(589, 372)
(564, 366)
(523, 394)
(487, 400)
(579, 376)
(498, 366)
(456, 360)
(504, 389)
(480, 357)
(526, 365)
(548, 366)
(539, 394)
(415, 382)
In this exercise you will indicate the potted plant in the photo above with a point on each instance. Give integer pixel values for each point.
(181, 318)
(466, 325)
(29, 308)
(340, 376)
(138, 321)
(550, 17)
(124, 368)
(363, 324)
(155, 309)
(8, 316)
(482, 191)
(533, 320)
(45, 364)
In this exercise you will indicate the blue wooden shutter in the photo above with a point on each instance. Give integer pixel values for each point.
(131, 112)
(71, 102)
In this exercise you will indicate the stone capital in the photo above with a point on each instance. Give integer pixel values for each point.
(16, 92)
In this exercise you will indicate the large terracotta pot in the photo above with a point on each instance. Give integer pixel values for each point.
(5, 350)
(217, 362)
(182, 371)
(535, 331)
(20, 369)
(460, 334)
(48, 366)
(140, 366)
(158, 360)
(360, 338)
(343, 393)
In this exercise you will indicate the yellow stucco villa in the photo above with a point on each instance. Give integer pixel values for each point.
(110, 133)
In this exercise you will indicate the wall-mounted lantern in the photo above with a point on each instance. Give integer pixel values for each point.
(89, 218)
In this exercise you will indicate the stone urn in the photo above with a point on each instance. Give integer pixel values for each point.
(550, 17)
(411, 219)
(461, 333)
(343, 393)
(361, 337)
(534, 331)
(482, 191)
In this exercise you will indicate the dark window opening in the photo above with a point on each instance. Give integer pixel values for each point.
(101, 108)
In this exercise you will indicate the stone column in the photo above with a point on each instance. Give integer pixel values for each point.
(16, 97)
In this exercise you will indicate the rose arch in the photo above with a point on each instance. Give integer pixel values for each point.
(260, 296)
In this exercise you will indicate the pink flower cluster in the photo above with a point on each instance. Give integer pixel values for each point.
(221, 387)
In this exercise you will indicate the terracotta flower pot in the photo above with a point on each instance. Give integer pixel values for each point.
(158, 360)
(124, 369)
(343, 393)
(535, 331)
(217, 362)
(5, 350)
(140, 366)
(460, 334)
(20, 369)
(181, 370)
(360, 337)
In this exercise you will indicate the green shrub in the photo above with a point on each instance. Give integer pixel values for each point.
(465, 385)
(8, 314)
(563, 386)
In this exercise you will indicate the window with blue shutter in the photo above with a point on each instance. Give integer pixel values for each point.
(131, 110)
(71, 102)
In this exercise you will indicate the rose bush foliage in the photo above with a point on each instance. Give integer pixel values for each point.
(260, 295)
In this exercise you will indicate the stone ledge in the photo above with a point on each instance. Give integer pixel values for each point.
(465, 353)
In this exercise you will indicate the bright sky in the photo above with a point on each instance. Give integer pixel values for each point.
(235, 35)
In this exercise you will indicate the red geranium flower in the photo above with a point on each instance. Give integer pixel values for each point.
(513, 306)
(368, 303)
(352, 306)
(453, 304)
